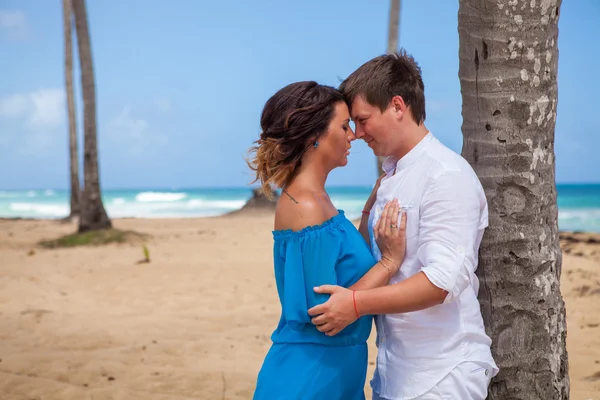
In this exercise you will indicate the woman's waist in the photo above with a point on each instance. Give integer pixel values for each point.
(354, 334)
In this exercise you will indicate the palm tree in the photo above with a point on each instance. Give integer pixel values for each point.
(393, 26)
(392, 46)
(93, 214)
(508, 75)
(73, 156)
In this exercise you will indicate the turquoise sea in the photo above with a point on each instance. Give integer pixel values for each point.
(579, 205)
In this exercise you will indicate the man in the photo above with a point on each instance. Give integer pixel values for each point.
(430, 335)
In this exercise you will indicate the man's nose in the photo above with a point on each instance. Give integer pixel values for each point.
(359, 133)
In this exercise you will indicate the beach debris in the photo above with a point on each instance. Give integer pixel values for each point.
(146, 258)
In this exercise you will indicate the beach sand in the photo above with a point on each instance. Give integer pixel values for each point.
(194, 323)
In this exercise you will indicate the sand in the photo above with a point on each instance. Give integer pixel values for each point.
(194, 323)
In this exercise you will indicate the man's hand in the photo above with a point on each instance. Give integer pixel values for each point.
(336, 313)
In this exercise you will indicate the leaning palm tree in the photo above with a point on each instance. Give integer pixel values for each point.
(508, 75)
(392, 46)
(93, 214)
(73, 156)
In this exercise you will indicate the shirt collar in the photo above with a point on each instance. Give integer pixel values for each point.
(409, 158)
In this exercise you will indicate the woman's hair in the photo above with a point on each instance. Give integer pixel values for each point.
(292, 120)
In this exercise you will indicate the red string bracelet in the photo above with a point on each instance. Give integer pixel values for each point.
(354, 300)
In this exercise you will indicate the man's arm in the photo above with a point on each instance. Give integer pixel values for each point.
(413, 294)
(363, 227)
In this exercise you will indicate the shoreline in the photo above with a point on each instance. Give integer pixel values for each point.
(568, 235)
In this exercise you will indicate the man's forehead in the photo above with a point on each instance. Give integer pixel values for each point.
(359, 107)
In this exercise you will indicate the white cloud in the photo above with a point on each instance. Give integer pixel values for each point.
(133, 136)
(13, 25)
(49, 108)
(126, 125)
(43, 109)
(13, 106)
(162, 105)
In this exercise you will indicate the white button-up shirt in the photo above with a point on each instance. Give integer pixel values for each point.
(446, 216)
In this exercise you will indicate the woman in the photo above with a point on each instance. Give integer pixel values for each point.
(306, 134)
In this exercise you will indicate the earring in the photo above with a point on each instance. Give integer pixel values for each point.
(316, 144)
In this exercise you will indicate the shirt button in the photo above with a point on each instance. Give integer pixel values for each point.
(461, 250)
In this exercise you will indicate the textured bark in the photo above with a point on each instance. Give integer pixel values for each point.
(392, 47)
(508, 71)
(393, 27)
(73, 154)
(93, 214)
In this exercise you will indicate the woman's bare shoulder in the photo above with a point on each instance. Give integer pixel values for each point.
(299, 211)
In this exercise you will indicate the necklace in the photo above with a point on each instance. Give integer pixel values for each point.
(289, 195)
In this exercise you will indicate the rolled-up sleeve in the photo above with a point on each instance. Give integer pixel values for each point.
(448, 226)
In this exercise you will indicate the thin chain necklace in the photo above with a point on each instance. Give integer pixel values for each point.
(289, 195)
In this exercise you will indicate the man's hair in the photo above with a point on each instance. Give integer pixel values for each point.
(378, 80)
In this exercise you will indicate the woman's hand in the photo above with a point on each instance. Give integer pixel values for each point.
(390, 233)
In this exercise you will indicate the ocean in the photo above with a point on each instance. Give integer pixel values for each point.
(579, 205)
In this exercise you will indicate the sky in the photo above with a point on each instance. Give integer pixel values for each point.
(180, 85)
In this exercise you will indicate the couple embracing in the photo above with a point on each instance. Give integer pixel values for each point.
(410, 266)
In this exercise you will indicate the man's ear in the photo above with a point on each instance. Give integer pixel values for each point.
(399, 106)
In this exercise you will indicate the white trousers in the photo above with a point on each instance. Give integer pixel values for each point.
(468, 381)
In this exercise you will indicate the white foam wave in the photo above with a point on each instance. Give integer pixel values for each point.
(171, 209)
(118, 200)
(587, 220)
(225, 204)
(579, 214)
(159, 196)
(41, 210)
(49, 192)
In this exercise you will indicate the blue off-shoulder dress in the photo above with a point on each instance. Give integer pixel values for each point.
(302, 362)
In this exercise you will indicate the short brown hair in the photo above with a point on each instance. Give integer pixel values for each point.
(380, 79)
(292, 120)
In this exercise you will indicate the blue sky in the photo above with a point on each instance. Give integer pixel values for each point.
(180, 85)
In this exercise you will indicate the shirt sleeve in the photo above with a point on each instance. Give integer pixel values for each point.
(448, 227)
(310, 261)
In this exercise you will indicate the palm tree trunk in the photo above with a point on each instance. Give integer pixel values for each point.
(393, 27)
(93, 214)
(392, 47)
(73, 156)
(508, 75)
